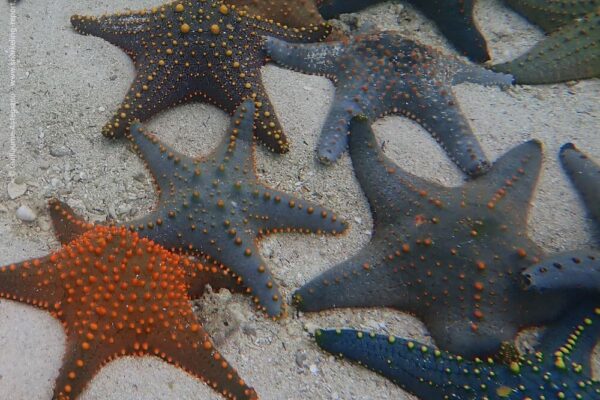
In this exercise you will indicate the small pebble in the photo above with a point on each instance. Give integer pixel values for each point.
(24, 213)
(16, 189)
(59, 151)
(301, 358)
(313, 369)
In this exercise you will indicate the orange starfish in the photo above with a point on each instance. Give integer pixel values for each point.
(116, 295)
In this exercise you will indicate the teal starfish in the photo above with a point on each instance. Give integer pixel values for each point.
(559, 369)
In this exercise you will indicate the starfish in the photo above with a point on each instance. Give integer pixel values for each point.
(559, 369)
(215, 207)
(381, 73)
(569, 53)
(195, 50)
(579, 269)
(450, 256)
(552, 14)
(454, 18)
(118, 294)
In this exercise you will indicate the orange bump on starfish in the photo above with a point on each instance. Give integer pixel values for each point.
(116, 295)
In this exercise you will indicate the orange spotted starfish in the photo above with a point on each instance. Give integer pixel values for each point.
(118, 294)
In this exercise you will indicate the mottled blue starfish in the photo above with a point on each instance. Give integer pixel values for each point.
(559, 369)
(578, 269)
(383, 73)
(216, 207)
(450, 256)
(454, 18)
(195, 50)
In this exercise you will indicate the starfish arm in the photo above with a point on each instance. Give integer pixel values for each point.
(276, 211)
(190, 348)
(379, 176)
(151, 92)
(317, 59)
(31, 282)
(575, 336)
(572, 270)
(585, 175)
(551, 15)
(334, 136)
(235, 154)
(170, 170)
(122, 30)
(436, 109)
(417, 368)
(570, 53)
(473, 73)
(193, 351)
(362, 281)
(510, 182)
(268, 129)
(82, 361)
(239, 253)
(199, 276)
(67, 225)
(455, 20)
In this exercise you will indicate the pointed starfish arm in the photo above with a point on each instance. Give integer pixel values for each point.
(276, 211)
(170, 170)
(308, 58)
(268, 129)
(573, 270)
(376, 174)
(569, 53)
(244, 260)
(235, 152)
(457, 23)
(436, 109)
(419, 369)
(67, 225)
(572, 339)
(122, 30)
(147, 96)
(190, 349)
(511, 181)
(585, 174)
(31, 281)
(362, 281)
(472, 73)
(334, 137)
(83, 360)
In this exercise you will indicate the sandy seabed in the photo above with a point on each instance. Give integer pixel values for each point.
(67, 87)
